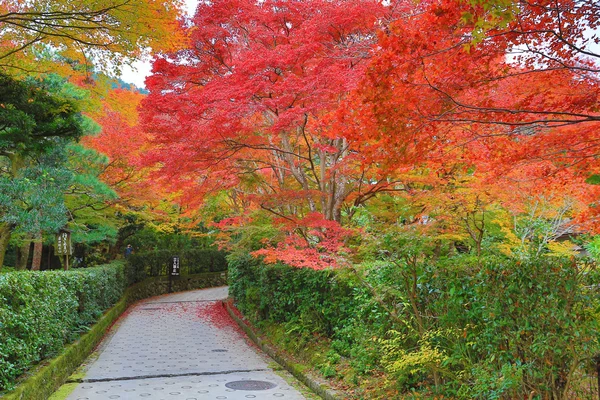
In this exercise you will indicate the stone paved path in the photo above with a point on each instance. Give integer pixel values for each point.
(181, 346)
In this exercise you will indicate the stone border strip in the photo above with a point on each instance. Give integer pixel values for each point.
(43, 381)
(322, 390)
(142, 377)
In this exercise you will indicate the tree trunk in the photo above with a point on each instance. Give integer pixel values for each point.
(5, 232)
(37, 252)
(23, 255)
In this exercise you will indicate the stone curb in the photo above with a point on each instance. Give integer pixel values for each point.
(320, 389)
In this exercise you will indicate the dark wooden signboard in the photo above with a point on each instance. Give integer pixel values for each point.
(63, 243)
(63, 246)
(175, 266)
(173, 271)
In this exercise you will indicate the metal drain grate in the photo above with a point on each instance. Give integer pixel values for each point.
(219, 351)
(250, 385)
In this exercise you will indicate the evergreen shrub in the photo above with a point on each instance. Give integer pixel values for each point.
(458, 326)
(41, 311)
(311, 304)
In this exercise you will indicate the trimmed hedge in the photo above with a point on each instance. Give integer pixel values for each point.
(323, 301)
(160, 285)
(42, 311)
(48, 378)
(157, 263)
(323, 315)
(477, 327)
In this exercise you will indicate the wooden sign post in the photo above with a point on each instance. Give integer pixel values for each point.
(63, 246)
(173, 271)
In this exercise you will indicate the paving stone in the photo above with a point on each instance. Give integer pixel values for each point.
(217, 293)
(179, 347)
(187, 388)
(171, 338)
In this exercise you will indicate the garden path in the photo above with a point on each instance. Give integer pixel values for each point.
(181, 346)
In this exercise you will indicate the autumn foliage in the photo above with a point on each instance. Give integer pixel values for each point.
(123, 141)
(434, 151)
(246, 109)
(304, 108)
(42, 36)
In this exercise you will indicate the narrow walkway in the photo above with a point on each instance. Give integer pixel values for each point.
(181, 346)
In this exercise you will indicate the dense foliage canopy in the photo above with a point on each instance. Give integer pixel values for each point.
(300, 113)
(435, 151)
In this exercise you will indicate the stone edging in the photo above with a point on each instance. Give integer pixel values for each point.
(322, 390)
(47, 378)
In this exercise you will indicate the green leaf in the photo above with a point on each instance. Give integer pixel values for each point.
(593, 180)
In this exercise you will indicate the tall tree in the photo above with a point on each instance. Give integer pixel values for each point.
(36, 121)
(32, 201)
(122, 140)
(89, 200)
(519, 106)
(244, 107)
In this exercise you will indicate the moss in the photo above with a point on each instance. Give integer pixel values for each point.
(64, 391)
(274, 366)
(43, 381)
(77, 377)
(292, 381)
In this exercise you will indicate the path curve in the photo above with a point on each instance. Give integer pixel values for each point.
(181, 346)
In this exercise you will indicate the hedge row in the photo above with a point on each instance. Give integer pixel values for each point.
(323, 301)
(157, 263)
(160, 285)
(42, 311)
(489, 327)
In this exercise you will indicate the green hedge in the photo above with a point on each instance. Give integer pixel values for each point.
(156, 263)
(498, 325)
(329, 303)
(160, 285)
(42, 311)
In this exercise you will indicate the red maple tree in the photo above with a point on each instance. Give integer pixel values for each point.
(247, 107)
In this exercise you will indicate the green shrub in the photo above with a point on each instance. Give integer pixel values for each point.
(316, 301)
(41, 311)
(464, 327)
(157, 263)
(311, 304)
(44, 381)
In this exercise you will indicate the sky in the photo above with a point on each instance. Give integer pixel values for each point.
(136, 73)
(139, 70)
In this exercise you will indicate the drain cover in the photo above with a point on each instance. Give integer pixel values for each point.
(250, 385)
(219, 351)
